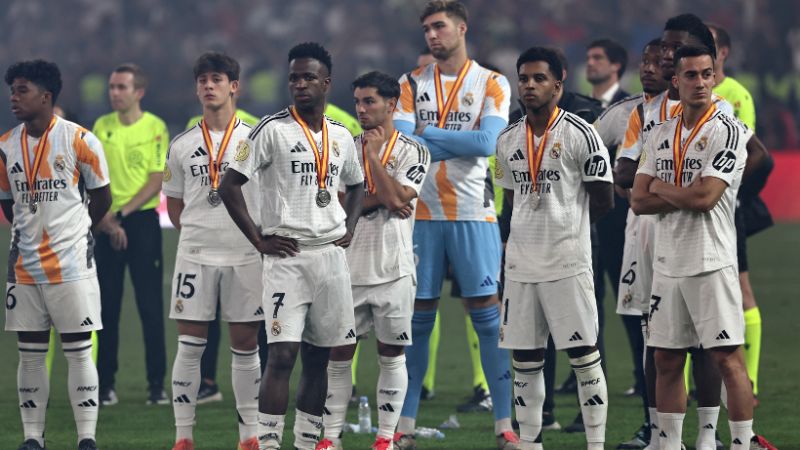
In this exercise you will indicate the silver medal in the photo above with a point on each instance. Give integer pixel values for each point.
(535, 199)
(213, 198)
(323, 198)
(33, 207)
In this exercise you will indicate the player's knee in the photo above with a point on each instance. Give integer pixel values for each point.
(281, 358)
(578, 352)
(536, 355)
(389, 350)
(729, 361)
(669, 362)
(425, 305)
(34, 337)
(76, 337)
(244, 338)
(343, 353)
(482, 302)
(314, 358)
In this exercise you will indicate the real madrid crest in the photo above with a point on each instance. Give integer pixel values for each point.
(242, 151)
(555, 152)
(498, 172)
(701, 144)
(392, 162)
(335, 148)
(167, 173)
(178, 306)
(468, 99)
(59, 163)
(276, 328)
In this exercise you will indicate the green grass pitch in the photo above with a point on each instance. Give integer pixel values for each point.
(132, 425)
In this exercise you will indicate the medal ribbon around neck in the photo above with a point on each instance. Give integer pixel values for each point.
(442, 107)
(535, 159)
(31, 172)
(214, 165)
(678, 151)
(320, 157)
(384, 159)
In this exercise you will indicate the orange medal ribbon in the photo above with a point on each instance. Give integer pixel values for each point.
(214, 165)
(384, 159)
(30, 172)
(437, 80)
(678, 151)
(320, 157)
(535, 159)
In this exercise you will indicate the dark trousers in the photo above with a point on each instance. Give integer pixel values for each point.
(143, 257)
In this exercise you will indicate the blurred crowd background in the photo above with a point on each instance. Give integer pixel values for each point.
(88, 38)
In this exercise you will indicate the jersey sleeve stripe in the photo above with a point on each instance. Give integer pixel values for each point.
(86, 156)
(279, 115)
(591, 140)
(512, 126)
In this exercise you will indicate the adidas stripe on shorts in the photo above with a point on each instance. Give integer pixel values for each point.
(196, 289)
(565, 308)
(388, 307)
(70, 307)
(704, 309)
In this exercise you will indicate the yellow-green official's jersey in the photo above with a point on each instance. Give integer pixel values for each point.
(133, 152)
(498, 190)
(342, 116)
(241, 114)
(738, 96)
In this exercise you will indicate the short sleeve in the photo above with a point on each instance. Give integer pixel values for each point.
(351, 170)
(591, 154)
(728, 158)
(414, 167)
(498, 97)
(91, 159)
(502, 171)
(5, 184)
(647, 162)
(160, 143)
(254, 152)
(405, 105)
(632, 144)
(172, 182)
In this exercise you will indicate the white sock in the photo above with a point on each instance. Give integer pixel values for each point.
(246, 378)
(502, 425)
(529, 393)
(671, 429)
(270, 431)
(33, 386)
(654, 430)
(340, 387)
(186, 383)
(392, 387)
(82, 382)
(707, 427)
(741, 433)
(592, 394)
(307, 430)
(406, 425)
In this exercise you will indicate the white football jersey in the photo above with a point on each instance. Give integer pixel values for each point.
(54, 244)
(455, 189)
(382, 248)
(208, 234)
(278, 153)
(551, 242)
(611, 125)
(688, 243)
(654, 111)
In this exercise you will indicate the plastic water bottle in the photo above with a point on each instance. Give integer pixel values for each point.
(364, 416)
(428, 433)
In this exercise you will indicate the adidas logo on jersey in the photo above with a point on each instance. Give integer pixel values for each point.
(576, 337)
(723, 336)
(519, 401)
(517, 156)
(259, 312)
(737, 441)
(16, 168)
(199, 152)
(351, 334)
(487, 282)
(87, 404)
(662, 434)
(387, 407)
(28, 405)
(298, 148)
(402, 337)
(424, 97)
(183, 398)
(664, 145)
(708, 426)
(86, 322)
(594, 401)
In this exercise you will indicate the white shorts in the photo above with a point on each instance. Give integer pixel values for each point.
(308, 297)
(197, 288)
(389, 306)
(564, 308)
(70, 307)
(629, 295)
(703, 310)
